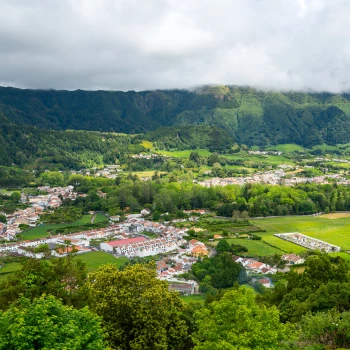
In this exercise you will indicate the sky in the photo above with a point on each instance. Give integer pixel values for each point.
(163, 44)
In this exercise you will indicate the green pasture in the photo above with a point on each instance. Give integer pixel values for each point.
(42, 231)
(255, 248)
(267, 159)
(8, 269)
(186, 153)
(334, 231)
(286, 148)
(94, 260)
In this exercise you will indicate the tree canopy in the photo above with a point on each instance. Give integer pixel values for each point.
(45, 323)
(138, 311)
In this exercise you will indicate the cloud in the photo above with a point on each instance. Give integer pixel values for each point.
(156, 44)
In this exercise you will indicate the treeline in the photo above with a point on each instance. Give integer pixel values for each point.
(177, 192)
(248, 115)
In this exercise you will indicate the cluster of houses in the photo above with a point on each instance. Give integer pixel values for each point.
(308, 242)
(30, 215)
(265, 153)
(273, 177)
(79, 241)
(141, 246)
(254, 266)
(148, 156)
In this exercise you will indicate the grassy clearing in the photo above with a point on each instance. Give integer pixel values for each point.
(286, 148)
(283, 245)
(94, 260)
(8, 269)
(42, 231)
(193, 298)
(100, 218)
(186, 153)
(336, 231)
(149, 173)
(343, 255)
(255, 248)
(147, 144)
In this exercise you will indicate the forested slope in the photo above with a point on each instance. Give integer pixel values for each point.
(250, 116)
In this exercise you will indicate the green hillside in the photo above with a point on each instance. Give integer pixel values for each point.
(248, 115)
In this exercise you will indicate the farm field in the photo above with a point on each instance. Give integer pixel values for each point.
(42, 231)
(335, 231)
(8, 269)
(255, 248)
(287, 148)
(94, 260)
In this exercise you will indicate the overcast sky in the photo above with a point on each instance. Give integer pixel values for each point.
(156, 44)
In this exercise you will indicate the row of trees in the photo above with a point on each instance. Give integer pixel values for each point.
(166, 194)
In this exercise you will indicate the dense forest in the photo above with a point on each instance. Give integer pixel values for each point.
(249, 116)
(30, 146)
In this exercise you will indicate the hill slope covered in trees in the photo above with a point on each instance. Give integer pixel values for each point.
(249, 116)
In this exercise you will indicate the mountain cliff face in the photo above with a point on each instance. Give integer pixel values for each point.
(248, 115)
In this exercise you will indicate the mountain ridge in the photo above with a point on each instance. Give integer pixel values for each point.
(249, 115)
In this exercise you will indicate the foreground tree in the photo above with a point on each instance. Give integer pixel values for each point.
(236, 321)
(137, 309)
(46, 323)
(63, 278)
(329, 328)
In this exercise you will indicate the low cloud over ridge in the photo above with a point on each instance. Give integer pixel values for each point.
(136, 45)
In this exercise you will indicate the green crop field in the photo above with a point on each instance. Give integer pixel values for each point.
(94, 260)
(332, 230)
(42, 231)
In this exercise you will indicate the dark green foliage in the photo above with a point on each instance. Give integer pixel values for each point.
(191, 137)
(63, 278)
(46, 323)
(219, 271)
(62, 215)
(323, 286)
(223, 246)
(250, 116)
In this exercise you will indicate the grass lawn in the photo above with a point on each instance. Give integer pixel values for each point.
(334, 231)
(195, 297)
(94, 260)
(286, 148)
(8, 270)
(100, 218)
(343, 255)
(255, 248)
(149, 173)
(41, 231)
(186, 153)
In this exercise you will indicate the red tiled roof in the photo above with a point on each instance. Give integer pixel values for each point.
(121, 242)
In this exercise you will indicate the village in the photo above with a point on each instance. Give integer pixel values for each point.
(274, 177)
(130, 239)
